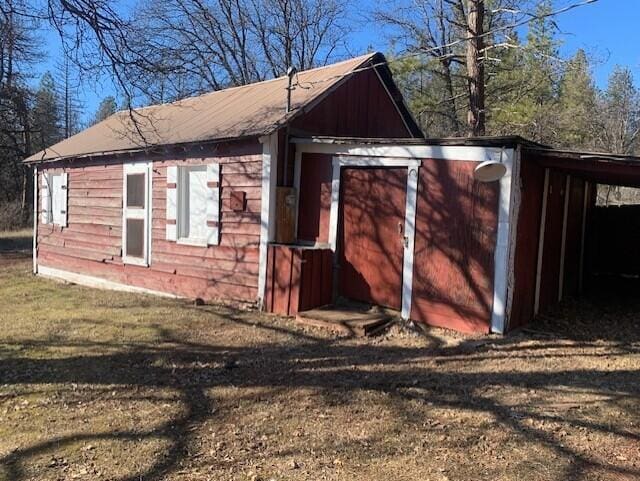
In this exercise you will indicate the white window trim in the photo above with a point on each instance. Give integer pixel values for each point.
(181, 214)
(176, 213)
(49, 216)
(138, 168)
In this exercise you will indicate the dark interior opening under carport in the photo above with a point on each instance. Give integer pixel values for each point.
(570, 249)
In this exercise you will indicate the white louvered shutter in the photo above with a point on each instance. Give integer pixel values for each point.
(45, 199)
(213, 204)
(172, 203)
(64, 199)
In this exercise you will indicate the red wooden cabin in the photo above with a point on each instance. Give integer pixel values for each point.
(229, 196)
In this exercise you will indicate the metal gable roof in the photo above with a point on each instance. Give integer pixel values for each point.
(245, 111)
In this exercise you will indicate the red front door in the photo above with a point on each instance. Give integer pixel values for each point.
(372, 204)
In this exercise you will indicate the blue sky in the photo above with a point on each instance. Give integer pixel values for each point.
(607, 30)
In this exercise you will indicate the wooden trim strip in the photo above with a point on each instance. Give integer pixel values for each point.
(585, 204)
(98, 283)
(501, 264)
(413, 174)
(563, 243)
(543, 222)
(267, 207)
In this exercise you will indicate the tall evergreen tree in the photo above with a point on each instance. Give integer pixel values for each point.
(523, 94)
(67, 86)
(620, 114)
(106, 108)
(47, 117)
(577, 109)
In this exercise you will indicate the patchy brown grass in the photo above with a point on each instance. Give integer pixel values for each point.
(103, 385)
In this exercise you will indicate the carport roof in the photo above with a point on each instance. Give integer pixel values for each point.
(599, 167)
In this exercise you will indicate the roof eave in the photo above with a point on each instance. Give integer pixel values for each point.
(151, 148)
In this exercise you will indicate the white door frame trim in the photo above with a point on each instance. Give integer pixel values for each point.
(412, 166)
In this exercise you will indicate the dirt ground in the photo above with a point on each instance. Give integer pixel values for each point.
(110, 386)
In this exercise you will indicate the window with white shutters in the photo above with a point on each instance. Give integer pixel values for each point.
(54, 198)
(193, 198)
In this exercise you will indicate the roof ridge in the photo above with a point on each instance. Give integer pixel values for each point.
(261, 82)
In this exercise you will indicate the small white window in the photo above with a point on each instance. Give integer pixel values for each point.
(54, 199)
(192, 204)
(57, 210)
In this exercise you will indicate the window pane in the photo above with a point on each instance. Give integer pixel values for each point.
(135, 190)
(135, 237)
(193, 209)
(198, 203)
(56, 198)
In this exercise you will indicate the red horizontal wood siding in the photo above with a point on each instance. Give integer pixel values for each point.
(92, 242)
(456, 226)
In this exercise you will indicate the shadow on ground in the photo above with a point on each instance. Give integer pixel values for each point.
(532, 389)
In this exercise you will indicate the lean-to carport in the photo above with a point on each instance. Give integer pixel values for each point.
(565, 244)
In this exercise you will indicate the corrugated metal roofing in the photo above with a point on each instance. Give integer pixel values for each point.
(249, 110)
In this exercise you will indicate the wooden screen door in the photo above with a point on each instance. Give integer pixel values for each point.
(136, 198)
(373, 203)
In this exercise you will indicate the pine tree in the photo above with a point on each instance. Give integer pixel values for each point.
(67, 91)
(620, 114)
(577, 105)
(431, 93)
(541, 71)
(46, 112)
(106, 108)
(523, 93)
(507, 87)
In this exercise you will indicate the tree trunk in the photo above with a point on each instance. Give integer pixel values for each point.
(475, 67)
(451, 101)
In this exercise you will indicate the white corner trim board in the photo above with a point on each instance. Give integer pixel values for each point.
(96, 282)
(267, 208)
(502, 265)
(35, 219)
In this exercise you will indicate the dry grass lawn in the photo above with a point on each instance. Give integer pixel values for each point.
(110, 386)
